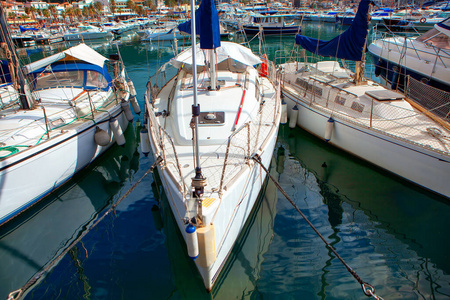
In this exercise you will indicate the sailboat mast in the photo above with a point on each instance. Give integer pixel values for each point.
(198, 180)
(359, 67)
(18, 78)
(212, 68)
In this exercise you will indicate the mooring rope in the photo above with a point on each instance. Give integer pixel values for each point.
(17, 294)
(368, 289)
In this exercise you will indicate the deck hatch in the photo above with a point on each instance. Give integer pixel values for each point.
(212, 118)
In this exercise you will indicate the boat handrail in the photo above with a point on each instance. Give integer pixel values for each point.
(166, 147)
(253, 135)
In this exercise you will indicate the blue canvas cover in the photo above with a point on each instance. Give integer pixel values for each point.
(206, 25)
(63, 67)
(5, 75)
(348, 45)
(23, 29)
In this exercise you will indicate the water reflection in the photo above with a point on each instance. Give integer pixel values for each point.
(389, 231)
(39, 235)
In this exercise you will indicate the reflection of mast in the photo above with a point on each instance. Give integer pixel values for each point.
(80, 270)
(335, 211)
(328, 263)
(333, 201)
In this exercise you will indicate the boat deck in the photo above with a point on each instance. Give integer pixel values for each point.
(57, 111)
(359, 104)
(245, 138)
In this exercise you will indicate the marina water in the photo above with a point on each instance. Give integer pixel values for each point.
(394, 235)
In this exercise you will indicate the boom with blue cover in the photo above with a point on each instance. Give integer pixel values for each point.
(206, 25)
(350, 45)
(23, 29)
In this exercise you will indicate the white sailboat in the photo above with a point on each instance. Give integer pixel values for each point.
(204, 134)
(65, 113)
(363, 118)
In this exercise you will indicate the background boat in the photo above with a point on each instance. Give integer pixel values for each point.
(275, 24)
(388, 230)
(76, 112)
(424, 57)
(86, 33)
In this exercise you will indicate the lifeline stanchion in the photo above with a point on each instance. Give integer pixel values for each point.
(17, 294)
(368, 289)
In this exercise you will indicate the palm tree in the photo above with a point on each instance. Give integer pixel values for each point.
(170, 3)
(33, 12)
(12, 15)
(77, 13)
(23, 17)
(112, 6)
(98, 6)
(64, 15)
(53, 12)
(70, 13)
(131, 5)
(139, 10)
(45, 13)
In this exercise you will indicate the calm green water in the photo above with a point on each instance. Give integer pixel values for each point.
(394, 235)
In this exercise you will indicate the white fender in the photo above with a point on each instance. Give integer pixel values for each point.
(135, 105)
(127, 110)
(284, 116)
(117, 131)
(329, 129)
(145, 142)
(293, 117)
(192, 241)
(207, 246)
(131, 87)
(101, 137)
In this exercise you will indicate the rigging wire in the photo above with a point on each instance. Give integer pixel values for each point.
(367, 288)
(17, 294)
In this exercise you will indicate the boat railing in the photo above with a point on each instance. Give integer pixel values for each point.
(283, 56)
(435, 101)
(166, 149)
(403, 44)
(9, 97)
(410, 30)
(248, 140)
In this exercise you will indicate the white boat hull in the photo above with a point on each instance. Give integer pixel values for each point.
(69, 212)
(22, 179)
(411, 162)
(239, 200)
(83, 36)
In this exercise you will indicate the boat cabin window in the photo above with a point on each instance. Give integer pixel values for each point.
(95, 79)
(437, 38)
(48, 79)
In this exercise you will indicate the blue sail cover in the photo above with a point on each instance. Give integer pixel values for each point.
(206, 25)
(348, 45)
(23, 29)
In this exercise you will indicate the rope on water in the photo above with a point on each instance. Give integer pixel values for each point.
(17, 294)
(368, 289)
